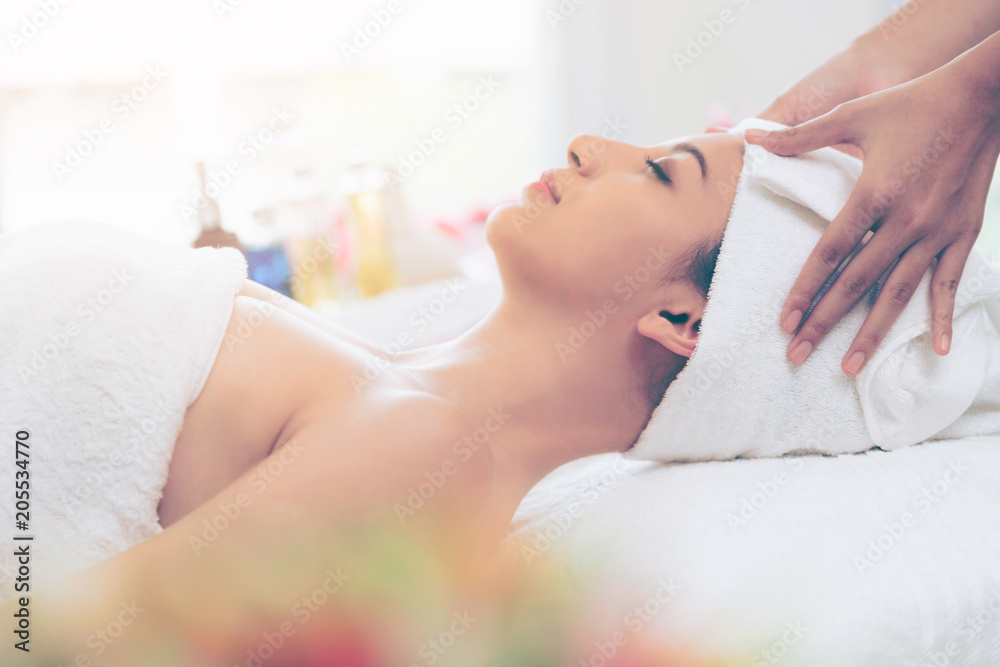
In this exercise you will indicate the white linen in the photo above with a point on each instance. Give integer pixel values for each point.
(881, 558)
(107, 338)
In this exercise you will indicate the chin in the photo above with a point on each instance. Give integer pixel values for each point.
(508, 243)
(523, 258)
(500, 227)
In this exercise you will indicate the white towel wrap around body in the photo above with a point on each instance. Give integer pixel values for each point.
(107, 338)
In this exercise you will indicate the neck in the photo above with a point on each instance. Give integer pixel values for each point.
(559, 396)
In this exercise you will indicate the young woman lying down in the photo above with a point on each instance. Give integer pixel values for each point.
(635, 226)
(622, 243)
(628, 231)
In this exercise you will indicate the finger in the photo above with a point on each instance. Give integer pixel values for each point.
(944, 286)
(951, 261)
(859, 276)
(839, 239)
(892, 299)
(830, 128)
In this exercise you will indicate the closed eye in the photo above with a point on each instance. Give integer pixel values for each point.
(658, 170)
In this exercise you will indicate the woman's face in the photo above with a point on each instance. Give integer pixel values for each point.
(596, 228)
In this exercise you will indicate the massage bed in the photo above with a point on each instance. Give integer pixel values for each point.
(878, 558)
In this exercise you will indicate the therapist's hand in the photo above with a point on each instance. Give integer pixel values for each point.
(930, 147)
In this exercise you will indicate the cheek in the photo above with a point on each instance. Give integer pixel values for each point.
(580, 250)
(596, 245)
(585, 236)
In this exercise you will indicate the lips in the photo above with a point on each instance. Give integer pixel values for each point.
(549, 180)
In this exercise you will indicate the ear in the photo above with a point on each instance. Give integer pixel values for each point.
(675, 329)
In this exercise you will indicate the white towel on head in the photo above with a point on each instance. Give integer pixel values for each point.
(738, 395)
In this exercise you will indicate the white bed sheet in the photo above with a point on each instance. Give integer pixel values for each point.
(882, 558)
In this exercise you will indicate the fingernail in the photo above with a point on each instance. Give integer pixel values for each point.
(945, 343)
(801, 352)
(792, 321)
(755, 133)
(855, 363)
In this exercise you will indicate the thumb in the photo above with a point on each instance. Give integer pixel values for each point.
(828, 129)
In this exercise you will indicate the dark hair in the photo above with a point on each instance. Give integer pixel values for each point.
(701, 265)
(697, 266)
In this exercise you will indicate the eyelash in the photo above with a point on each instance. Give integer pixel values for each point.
(658, 170)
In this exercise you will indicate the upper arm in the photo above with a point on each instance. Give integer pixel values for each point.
(271, 533)
(333, 472)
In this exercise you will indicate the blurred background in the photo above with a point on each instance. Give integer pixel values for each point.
(269, 125)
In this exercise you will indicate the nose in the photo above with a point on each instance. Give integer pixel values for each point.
(587, 153)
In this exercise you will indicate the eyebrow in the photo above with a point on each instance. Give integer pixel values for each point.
(685, 147)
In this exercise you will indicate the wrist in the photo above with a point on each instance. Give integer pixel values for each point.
(883, 64)
(979, 70)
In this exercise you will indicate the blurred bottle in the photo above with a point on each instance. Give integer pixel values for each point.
(267, 261)
(306, 220)
(366, 188)
(210, 220)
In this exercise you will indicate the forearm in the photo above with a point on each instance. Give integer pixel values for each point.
(161, 599)
(980, 66)
(927, 34)
(69, 625)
